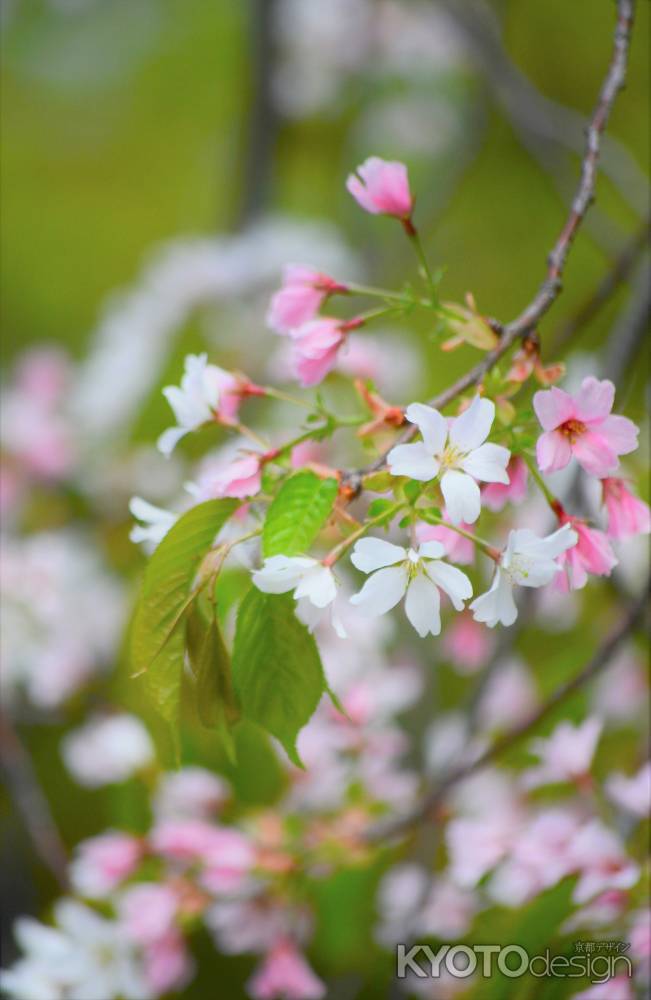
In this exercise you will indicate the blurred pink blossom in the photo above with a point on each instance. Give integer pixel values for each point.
(302, 293)
(285, 973)
(103, 862)
(467, 643)
(627, 514)
(592, 554)
(496, 495)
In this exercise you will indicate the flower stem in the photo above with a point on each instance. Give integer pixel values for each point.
(400, 298)
(488, 549)
(553, 502)
(339, 549)
(285, 397)
(420, 253)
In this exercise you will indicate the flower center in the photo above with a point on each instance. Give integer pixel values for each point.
(572, 429)
(450, 458)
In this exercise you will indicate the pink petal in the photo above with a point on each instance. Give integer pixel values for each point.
(595, 454)
(595, 399)
(553, 451)
(361, 195)
(553, 407)
(620, 433)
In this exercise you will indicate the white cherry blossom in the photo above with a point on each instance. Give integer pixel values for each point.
(195, 402)
(414, 574)
(456, 451)
(155, 523)
(528, 561)
(313, 585)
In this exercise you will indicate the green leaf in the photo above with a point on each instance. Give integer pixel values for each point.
(157, 644)
(211, 666)
(298, 513)
(277, 669)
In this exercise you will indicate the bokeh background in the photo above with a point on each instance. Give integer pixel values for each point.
(162, 159)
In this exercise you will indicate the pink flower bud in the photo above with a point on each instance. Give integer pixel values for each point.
(627, 514)
(382, 188)
(298, 300)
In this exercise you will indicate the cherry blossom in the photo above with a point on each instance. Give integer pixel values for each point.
(627, 514)
(528, 561)
(313, 585)
(602, 862)
(495, 496)
(631, 794)
(456, 453)
(303, 292)
(284, 972)
(107, 749)
(416, 575)
(190, 793)
(592, 554)
(565, 755)
(316, 346)
(239, 478)
(104, 862)
(381, 187)
(156, 522)
(467, 644)
(582, 426)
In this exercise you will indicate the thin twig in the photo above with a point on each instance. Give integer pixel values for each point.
(551, 286)
(32, 803)
(429, 803)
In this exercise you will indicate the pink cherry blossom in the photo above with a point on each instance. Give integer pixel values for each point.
(315, 348)
(382, 188)
(285, 973)
(226, 854)
(240, 478)
(496, 495)
(582, 426)
(539, 857)
(467, 643)
(592, 554)
(632, 794)
(148, 911)
(601, 860)
(458, 549)
(566, 755)
(102, 863)
(167, 965)
(640, 938)
(627, 514)
(617, 988)
(303, 292)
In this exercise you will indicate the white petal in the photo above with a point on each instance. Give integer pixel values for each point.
(450, 579)
(472, 428)
(382, 591)
(422, 606)
(373, 553)
(497, 604)
(147, 512)
(431, 550)
(308, 613)
(318, 585)
(462, 497)
(550, 547)
(488, 463)
(169, 439)
(281, 573)
(413, 460)
(432, 425)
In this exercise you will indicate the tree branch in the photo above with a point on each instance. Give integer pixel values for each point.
(596, 665)
(551, 286)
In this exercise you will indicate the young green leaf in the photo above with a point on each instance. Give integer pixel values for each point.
(277, 670)
(298, 513)
(211, 666)
(157, 644)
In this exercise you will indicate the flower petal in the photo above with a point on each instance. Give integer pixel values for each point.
(462, 497)
(473, 426)
(318, 585)
(497, 604)
(553, 407)
(450, 579)
(620, 433)
(488, 463)
(431, 549)
(594, 454)
(370, 554)
(422, 606)
(413, 460)
(169, 439)
(595, 399)
(382, 591)
(432, 425)
(553, 451)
